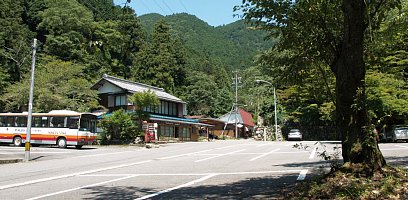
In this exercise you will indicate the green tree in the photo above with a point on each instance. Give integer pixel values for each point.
(206, 97)
(15, 40)
(142, 100)
(58, 85)
(66, 26)
(387, 98)
(161, 63)
(102, 9)
(387, 78)
(332, 34)
(119, 127)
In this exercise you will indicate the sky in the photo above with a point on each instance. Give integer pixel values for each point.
(214, 12)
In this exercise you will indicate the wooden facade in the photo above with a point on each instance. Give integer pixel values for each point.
(169, 115)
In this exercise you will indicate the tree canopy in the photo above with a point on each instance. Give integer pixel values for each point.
(329, 38)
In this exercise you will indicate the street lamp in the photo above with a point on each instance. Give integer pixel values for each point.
(274, 102)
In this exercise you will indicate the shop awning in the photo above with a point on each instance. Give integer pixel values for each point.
(177, 120)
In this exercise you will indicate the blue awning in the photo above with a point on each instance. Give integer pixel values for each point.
(178, 120)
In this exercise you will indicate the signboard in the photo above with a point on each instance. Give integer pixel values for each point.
(150, 131)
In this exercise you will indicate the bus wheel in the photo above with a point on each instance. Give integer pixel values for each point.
(17, 141)
(78, 146)
(62, 143)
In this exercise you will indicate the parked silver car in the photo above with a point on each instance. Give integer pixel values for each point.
(294, 134)
(396, 133)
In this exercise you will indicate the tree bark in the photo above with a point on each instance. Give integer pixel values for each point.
(359, 142)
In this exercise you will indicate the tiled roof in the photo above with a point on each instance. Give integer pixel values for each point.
(134, 87)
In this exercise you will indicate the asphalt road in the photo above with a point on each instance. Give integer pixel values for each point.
(241, 169)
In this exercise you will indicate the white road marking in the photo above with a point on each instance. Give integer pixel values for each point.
(280, 152)
(82, 187)
(302, 175)
(192, 153)
(392, 149)
(71, 175)
(261, 145)
(313, 153)
(33, 152)
(402, 146)
(181, 155)
(225, 154)
(265, 154)
(103, 154)
(178, 187)
(195, 174)
(259, 172)
(214, 154)
(228, 146)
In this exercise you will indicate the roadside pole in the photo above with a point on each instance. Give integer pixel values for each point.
(30, 105)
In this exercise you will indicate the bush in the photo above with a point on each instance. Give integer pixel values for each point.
(120, 125)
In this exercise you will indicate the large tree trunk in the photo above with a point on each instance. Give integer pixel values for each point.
(359, 143)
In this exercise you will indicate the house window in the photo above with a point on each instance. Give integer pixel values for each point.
(165, 108)
(173, 109)
(184, 133)
(166, 131)
(120, 100)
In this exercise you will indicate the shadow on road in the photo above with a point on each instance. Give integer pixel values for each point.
(268, 187)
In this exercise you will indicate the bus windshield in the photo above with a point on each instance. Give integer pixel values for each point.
(88, 123)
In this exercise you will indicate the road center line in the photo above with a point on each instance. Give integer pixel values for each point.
(265, 154)
(178, 187)
(219, 155)
(71, 175)
(302, 175)
(312, 155)
(82, 187)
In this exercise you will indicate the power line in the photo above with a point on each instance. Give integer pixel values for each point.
(145, 5)
(168, 6)
(182, 4)
(159, 7)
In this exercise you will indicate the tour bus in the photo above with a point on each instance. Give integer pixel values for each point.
(60, 127)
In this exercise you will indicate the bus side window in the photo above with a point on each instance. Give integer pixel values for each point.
(2, 121)
(57, 122)
(10, 121)
(21, 121)
(44, 121)
(50, 124)
(36, 121)
(73, 122)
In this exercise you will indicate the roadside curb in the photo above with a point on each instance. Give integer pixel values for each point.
(10, 160)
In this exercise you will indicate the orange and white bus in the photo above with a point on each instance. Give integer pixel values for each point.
(60, 127)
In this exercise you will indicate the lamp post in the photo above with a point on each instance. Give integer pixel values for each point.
(274, 102)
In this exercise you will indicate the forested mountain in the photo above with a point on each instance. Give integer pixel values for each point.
(85, 39)
(80, 40)
(233, 46)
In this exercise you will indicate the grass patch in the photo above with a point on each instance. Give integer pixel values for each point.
(392, 183)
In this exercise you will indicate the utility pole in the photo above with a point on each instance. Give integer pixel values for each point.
(30, 105)
(237, 80)
(276, 115)
(274, 102)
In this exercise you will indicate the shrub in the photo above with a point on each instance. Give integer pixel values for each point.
(120, 125)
